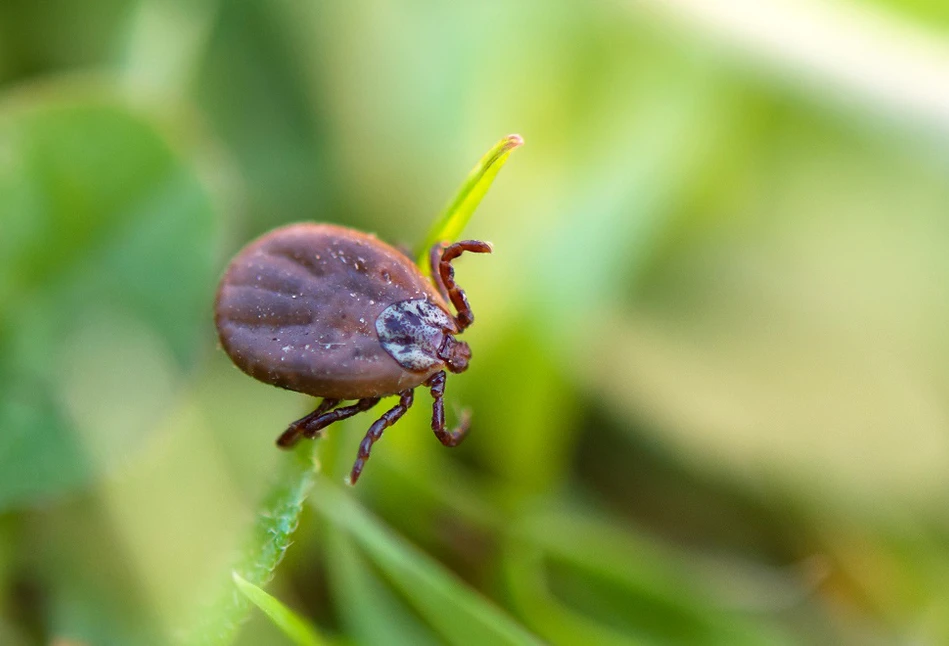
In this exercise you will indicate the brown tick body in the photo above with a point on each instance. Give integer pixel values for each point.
(335, 313)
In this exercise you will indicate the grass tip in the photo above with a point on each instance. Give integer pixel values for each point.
(513, 141)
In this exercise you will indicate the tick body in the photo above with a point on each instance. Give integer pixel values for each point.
(338, 314)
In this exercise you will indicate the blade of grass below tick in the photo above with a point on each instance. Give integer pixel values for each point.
(293, 626)
(277, 519)
(458, 613)
(370, 610)
(453, 220)
(626, 576)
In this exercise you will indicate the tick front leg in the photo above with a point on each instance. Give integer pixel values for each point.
(294, 432)
(434, 259)
(388, 418)
(449, 438)
(447, 275)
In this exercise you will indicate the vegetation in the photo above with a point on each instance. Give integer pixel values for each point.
(709, 374)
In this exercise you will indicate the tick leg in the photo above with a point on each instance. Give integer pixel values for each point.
(314, 426)
(388, 418)
(449, 438)
(294, 432)
(434, 258)
(447, 275)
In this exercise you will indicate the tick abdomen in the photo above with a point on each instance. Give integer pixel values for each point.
(298, 307)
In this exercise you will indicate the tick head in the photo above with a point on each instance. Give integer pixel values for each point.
(419, 335)
(455, 354)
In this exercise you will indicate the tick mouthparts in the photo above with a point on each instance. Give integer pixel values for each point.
(455, 354)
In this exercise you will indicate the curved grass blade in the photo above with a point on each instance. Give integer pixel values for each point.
(293, 626)
(453, 220)
(634, 591)
(458, 613)
(276, 521)
(371, 612)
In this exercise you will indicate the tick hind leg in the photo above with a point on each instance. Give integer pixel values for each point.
(388, 418)
(449, 438)
(444, 276)
(312, 424)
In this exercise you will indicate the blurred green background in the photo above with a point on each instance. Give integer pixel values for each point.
(710, 380)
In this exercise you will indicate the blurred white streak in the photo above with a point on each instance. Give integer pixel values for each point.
(875, 57)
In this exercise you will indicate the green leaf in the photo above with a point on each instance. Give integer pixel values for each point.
(455, 217)
(106, 272)
(271, 536)
(458, 613)
(293, 626)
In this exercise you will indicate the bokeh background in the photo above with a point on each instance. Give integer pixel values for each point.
(710, 380)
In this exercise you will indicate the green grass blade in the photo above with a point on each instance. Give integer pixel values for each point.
(371, 612)
(457, 612)
(293, 626)
(453, 220)
(633, 590)
(269, 540)
(279, 515)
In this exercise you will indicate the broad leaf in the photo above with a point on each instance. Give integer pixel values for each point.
(106, 274)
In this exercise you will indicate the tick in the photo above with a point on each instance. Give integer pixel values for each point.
(336, 313)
